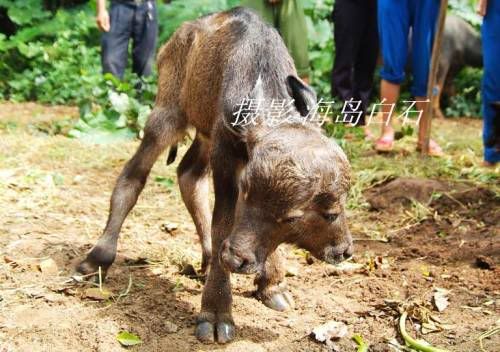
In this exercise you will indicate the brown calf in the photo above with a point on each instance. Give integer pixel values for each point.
(273, 184)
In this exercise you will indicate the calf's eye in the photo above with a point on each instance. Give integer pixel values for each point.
(330, 217)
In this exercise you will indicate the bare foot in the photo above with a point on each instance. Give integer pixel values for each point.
(489, 164)
(369, 136)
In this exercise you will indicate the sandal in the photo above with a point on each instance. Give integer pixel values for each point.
(384, 144)
(434, 149)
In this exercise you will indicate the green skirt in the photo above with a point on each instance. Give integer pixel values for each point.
(288, 18)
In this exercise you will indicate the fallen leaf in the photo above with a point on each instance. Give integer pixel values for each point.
(97, 294)
(48, 267)
(126, 338)
(441, 299)
(10, 260)
(328, 331)
(475, 309)
(429, 327)
(425, 271)
(362, 345)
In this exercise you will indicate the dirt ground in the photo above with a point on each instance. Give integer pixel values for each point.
(412, 236)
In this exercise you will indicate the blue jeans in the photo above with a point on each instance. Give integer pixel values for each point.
(395, 18)
(491, 77)
(130, 21)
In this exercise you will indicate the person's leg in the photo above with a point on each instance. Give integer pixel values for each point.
(393, 25)
(425, 13)
(293, 29)
(491, 78)
(366, 59)
(348, 32)
(114, 44)
(145, 32)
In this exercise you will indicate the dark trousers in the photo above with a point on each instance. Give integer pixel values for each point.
(130, 21)
(356, 51)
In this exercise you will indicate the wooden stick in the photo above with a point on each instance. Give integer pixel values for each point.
(425, 121)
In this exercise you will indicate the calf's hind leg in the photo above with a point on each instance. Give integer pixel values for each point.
(162, 129)
(193, 183)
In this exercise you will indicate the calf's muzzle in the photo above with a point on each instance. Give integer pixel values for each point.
(236, 260)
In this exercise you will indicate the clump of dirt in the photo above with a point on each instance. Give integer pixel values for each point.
(476, 203)
(401, 191)
(460, 226)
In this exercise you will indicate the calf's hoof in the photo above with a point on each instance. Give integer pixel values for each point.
(90, 270)
(96, 259)
(218, 330)
(280, 301)
(276, 297)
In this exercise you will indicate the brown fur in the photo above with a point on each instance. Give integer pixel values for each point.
(272, 184)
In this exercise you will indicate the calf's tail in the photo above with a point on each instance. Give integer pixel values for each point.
(172, 154)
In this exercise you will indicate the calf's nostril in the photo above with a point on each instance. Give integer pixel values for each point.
(348, 253)
(243, 264)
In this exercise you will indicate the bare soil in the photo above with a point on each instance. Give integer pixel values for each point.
(54, 195)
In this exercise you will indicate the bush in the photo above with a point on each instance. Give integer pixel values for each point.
(321, 49)
(52, 58)
(467, 101)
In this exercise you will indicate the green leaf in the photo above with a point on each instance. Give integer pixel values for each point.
(126, 338)
(362, 346)
(165, 181)
(119, 101)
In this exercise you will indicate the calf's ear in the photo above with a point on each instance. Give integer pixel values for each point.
(303, 95)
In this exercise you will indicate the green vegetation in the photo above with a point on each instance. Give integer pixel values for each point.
(50, 54)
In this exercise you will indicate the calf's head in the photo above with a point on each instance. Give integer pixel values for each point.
(292, 190)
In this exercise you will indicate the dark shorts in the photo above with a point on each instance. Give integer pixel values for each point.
(130, 21)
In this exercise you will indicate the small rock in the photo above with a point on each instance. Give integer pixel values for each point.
(169, 227)
(485, 262)
(292, 271)
(48, 267)
(78, 179)
(187, 269)
(170, 327)
(157, 270)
